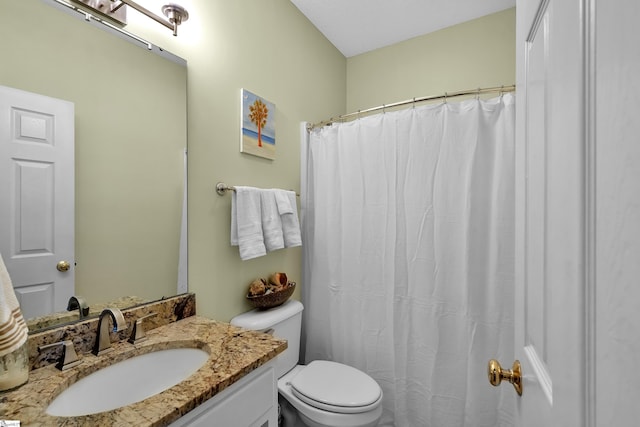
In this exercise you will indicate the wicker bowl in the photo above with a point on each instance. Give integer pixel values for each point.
(272, 299)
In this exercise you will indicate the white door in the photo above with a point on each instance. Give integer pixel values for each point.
(37, 194)
(550, 307)
(578, 212)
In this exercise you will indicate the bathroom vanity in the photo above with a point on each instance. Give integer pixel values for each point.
(236, 385)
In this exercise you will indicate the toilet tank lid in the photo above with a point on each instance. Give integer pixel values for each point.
(260, 320)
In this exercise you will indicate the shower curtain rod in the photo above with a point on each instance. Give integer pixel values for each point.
(477, 92)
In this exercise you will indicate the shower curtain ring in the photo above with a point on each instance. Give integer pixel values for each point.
(414, 102)
(478, 94)
(445, 98)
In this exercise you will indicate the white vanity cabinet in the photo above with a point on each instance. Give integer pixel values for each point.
(252, 401)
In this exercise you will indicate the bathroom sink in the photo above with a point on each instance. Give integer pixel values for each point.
(127, 382)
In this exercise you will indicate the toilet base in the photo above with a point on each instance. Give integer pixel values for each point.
(289, 415)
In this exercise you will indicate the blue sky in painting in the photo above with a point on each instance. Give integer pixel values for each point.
(248, 98)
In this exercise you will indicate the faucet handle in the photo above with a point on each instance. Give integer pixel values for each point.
(69, 357)
(138, 334)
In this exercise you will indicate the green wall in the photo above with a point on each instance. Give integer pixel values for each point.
(269, 48)
(477, 53)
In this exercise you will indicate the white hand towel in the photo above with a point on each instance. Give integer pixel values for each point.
(271, 222)
(288, 208)
(13, 329)
(282, 199)
(246, 223)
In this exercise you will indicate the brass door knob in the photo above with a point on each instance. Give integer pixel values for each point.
(63, 266)
(513, 375)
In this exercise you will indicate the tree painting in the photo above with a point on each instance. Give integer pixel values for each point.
(258, 113)
(258, 125)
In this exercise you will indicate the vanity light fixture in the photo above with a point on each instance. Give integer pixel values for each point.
(175, 14)
(114, 10)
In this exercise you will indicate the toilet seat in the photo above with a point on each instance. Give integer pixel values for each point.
(335, 387)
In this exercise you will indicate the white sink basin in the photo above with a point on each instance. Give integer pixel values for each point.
(128, 382)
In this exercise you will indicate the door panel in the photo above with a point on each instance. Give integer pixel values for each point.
(536, 190)
(550, 212)
(535, 283)
(37, 183)
(33, 213)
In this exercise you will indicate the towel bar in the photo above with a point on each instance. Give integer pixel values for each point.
(222, 188)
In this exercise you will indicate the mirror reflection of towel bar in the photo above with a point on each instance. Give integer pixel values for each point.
(222, 188)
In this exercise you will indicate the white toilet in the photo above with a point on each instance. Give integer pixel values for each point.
(323, 393)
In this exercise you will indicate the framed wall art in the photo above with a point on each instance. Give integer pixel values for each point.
(258, 133)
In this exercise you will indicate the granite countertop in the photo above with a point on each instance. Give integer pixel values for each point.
(233, 353)
(59, 318)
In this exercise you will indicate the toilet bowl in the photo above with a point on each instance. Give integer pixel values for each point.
(323, 393)
(326, 409)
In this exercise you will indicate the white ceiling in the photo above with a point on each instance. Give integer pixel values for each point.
(358, 26)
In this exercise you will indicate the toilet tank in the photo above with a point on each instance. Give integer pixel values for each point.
(285, 322)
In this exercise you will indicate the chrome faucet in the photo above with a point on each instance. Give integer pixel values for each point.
(78, 303)
(103, 342)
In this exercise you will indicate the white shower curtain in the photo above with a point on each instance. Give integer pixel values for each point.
(408, 222)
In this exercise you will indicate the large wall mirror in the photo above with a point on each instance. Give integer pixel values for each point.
(130, 145)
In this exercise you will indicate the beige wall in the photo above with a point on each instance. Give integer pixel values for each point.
(271, 49)
(478, 53)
